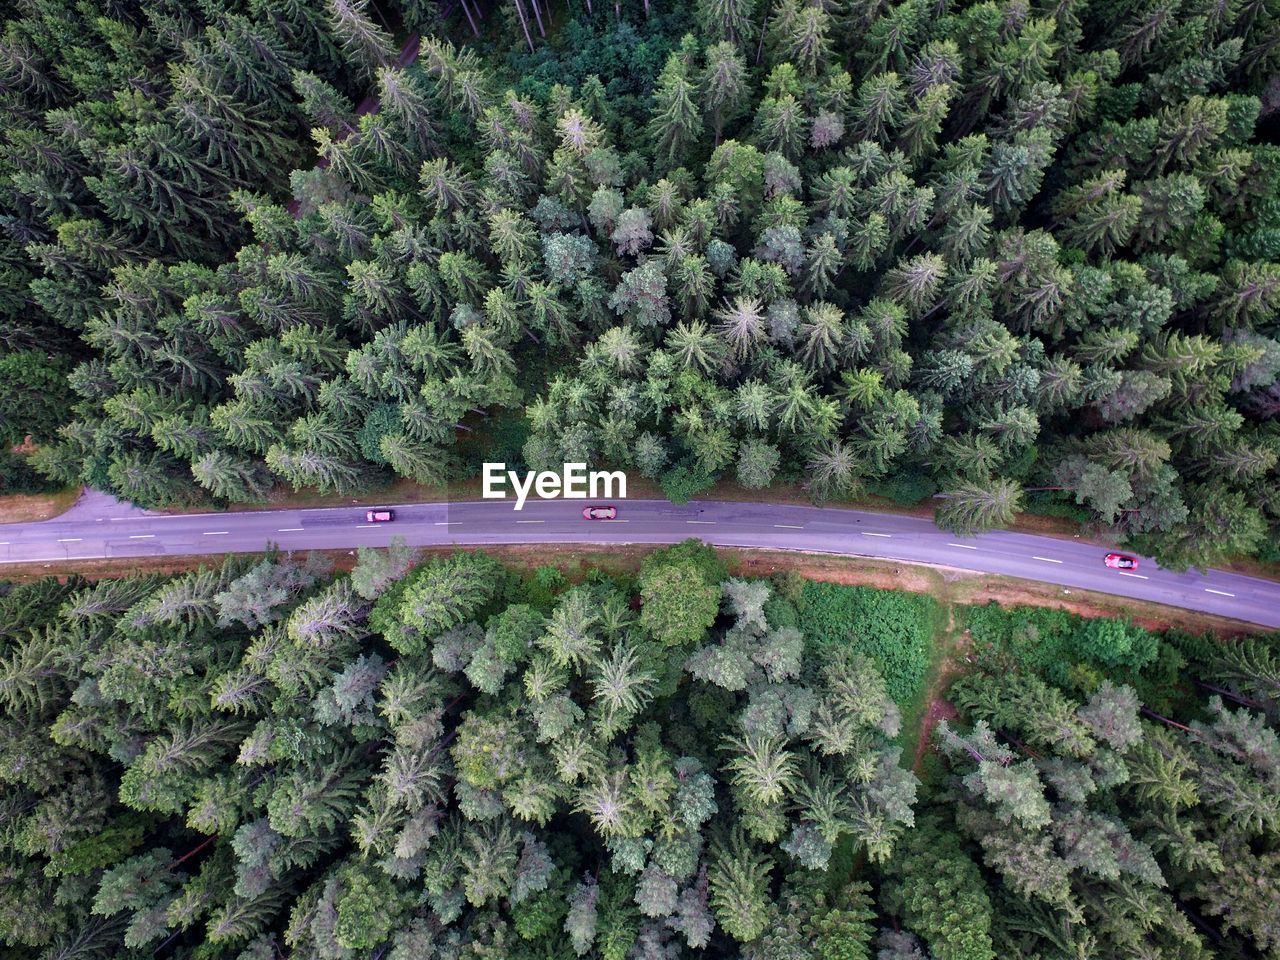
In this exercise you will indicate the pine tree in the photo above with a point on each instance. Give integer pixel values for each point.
(723, 84)
(675, 121)
(364, 43)
(975, 508)
(940, 893)
(732, 21)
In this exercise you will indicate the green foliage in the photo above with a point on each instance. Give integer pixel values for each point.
(894, 629)
(840, 927)
(963, 251)
(1058, 644)
(739, 880)
(906, 488)
(367, 910)
(259, 754)
(870, 250)
(680, 592)
(34, 397)
(17, 475)
(111, 845)
(682, 483)
(435, 597)
(1067, 795)
(383, 420)
(555, 780)
(939, 893)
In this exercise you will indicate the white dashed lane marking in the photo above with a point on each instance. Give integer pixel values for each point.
(142, 536)
(1221, 593)
(962, 546)
(699, 521)
(289, 530)
(788, 526)
(866, 534)
(216, 533)
(1136, 576)
(531, 521)
(1047, 559)
(70, 539)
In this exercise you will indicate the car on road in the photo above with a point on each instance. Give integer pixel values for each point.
(1121, 561)
(379, 516)
(600, 513)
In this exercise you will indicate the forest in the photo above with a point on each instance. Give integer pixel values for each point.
(1012, 254)
(449, 758)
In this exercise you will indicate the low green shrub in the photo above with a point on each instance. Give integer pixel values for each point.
(1069, 649)
(894, 629)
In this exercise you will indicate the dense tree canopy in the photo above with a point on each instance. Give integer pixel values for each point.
(451, 760)
(461, 764)
(991, 250)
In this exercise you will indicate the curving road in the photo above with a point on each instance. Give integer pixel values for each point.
(98, 527)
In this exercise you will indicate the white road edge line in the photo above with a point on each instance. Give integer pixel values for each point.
(288, 530)
(216, 533)
(1047, 559)
(962, 546)
(1136, 576)
(789, 526)
(865, 534)
(142, 536)
(1221, 593)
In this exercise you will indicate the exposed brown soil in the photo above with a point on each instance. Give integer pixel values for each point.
(27, 508)
(100, 569)
(852, 571)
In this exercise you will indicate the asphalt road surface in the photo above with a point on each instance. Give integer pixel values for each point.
(98, 527)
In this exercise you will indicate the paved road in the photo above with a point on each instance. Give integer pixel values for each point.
(99, 527)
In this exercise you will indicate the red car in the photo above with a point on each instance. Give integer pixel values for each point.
(600, 513)
(1121, 561)
(380, 516)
